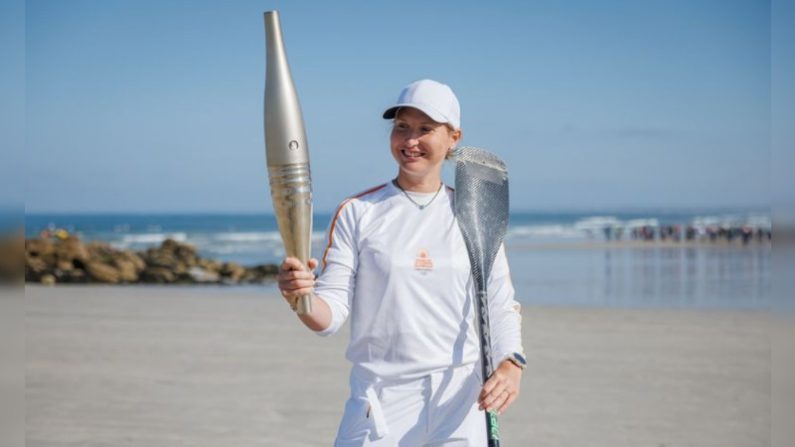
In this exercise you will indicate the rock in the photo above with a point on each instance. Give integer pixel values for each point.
(12, 258)
(40, 248)
(200, 275)
(249, 277)
(127, 270)
(263, 273)
(39, 255)
(71, 249)
(173, 256)
(232, 271)
(100, 251)
(153, 257)
(157, 275)
(101, 272)
(64, 266)
(127, 263)
(67, 260)
(260, 273)
(74, 276)
(268, 269)
(47, 280)
(210, 265)
(131, 256)
(35, 268)
(169, 245)
(181, 253)
(187, 255)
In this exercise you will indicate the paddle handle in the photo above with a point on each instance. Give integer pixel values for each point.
(492, 426)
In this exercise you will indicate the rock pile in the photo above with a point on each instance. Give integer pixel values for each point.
(12, 247)
(69, 260)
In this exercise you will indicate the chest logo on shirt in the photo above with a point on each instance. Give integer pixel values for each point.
(423, 262)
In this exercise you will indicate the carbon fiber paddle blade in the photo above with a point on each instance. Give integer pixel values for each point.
(481, 207)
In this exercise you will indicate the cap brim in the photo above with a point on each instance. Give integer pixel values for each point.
(390, 112)
(432, 114)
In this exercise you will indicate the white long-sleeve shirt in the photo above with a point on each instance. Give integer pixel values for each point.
(403, 274)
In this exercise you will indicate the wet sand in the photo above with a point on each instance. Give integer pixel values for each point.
(214, 366)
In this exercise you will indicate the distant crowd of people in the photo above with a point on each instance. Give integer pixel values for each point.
(678, 232)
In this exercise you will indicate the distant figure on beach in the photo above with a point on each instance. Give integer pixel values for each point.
(58, 233)
(397, 264)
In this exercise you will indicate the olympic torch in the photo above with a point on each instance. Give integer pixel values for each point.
(287, 152)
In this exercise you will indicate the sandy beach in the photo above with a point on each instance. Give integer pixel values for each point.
(214, 366)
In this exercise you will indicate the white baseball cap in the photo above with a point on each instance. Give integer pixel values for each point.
(433, 98)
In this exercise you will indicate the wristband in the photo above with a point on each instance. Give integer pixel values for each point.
(517, 359)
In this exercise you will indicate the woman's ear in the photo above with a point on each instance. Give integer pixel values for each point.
(456, 136)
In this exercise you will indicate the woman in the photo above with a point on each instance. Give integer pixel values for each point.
(397, 263)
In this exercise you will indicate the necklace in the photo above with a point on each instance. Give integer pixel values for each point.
(419, 205)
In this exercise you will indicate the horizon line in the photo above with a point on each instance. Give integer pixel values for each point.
(606, 209)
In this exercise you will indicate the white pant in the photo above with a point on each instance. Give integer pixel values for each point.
(435, 410)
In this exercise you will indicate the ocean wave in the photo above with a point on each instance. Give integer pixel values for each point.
(543, 231)
(639, 223)
(759, 221)
(596, 223)
(253, 237)
(732, 220)
(237, 249)
(151, 238)
(269, 236)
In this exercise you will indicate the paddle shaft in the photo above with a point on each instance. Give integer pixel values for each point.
(487, 366)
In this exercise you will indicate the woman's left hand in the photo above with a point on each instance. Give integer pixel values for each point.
(501, 389)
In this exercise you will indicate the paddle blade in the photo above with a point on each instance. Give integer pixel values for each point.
(481, 207)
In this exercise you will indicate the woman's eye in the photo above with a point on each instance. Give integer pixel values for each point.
(426, 129)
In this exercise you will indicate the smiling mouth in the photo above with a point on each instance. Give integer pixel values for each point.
(412, 154)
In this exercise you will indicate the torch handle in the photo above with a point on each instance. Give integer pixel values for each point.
(291, 193)
(304, 305)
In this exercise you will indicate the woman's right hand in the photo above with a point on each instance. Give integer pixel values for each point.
(295, 280)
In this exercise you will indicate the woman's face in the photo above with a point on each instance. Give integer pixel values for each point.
(420, 144)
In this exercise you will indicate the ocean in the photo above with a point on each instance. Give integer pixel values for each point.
(556, 258)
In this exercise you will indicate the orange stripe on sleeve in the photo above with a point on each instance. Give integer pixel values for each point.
(337, 214)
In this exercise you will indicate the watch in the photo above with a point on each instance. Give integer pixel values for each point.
(517, 359)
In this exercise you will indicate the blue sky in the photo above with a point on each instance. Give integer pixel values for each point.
(157, 106)
(12, 106)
